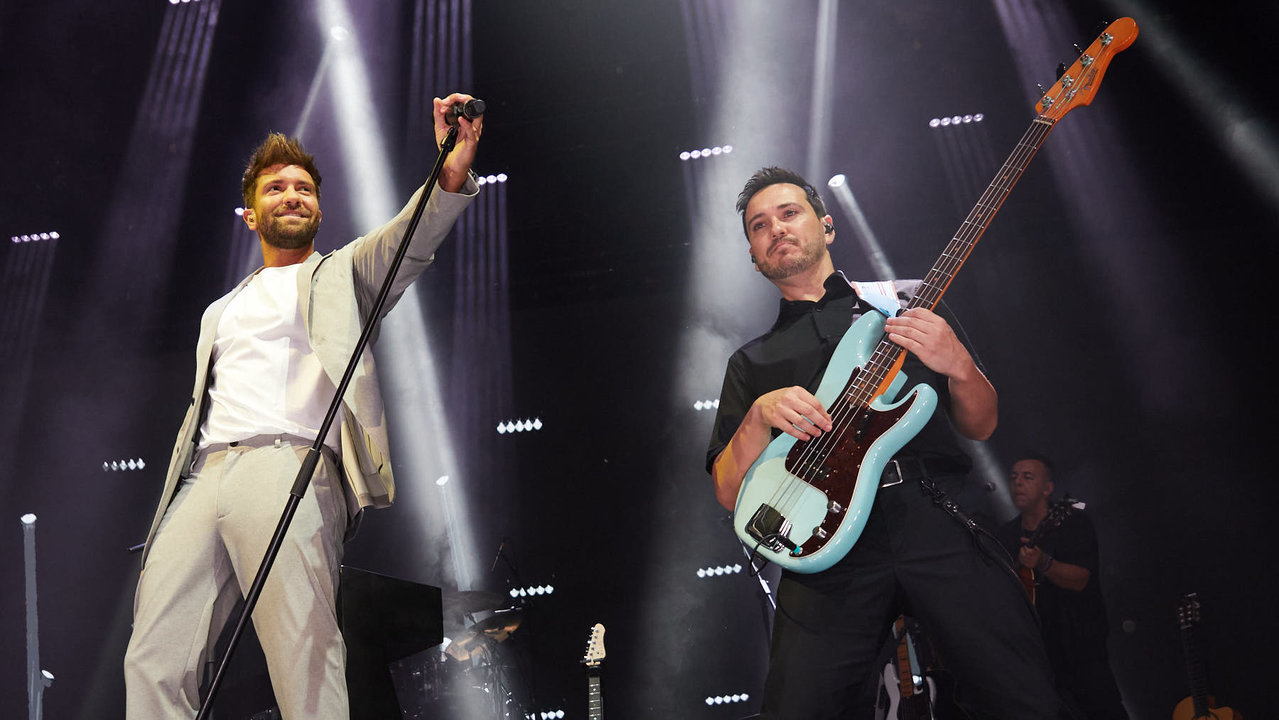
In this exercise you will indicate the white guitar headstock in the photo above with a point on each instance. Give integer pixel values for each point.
(594, 647)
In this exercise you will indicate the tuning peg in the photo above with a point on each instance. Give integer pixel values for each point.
(1078, 50)
(1041, 88)
(1061, 69)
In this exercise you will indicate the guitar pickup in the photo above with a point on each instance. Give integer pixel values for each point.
(770, 528)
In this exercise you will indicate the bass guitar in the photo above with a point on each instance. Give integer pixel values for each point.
(803, 504)
(1199, 705)
(1057, 513)
(592, 660)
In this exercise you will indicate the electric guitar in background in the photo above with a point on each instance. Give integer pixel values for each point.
(1200, 705)
(911, 693)
(1057, 513)
(593, 658)
(803, 504)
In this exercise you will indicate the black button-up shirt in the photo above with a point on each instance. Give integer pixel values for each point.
(796, 351)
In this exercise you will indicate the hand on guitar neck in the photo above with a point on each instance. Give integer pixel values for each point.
(1034, 563)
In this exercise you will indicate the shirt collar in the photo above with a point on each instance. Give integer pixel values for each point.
(836, 285)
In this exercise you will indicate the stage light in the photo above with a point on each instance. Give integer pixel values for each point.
(706, 404)
(966, 119)
(531, 590)
(442, 481)
(870, 244)
(491, 179)
(339, 33)
(705, 152)
(239, 212)
(514, 426)
(719, 571)
(34, 237)
(722, 699)
(28, 519)
(130, 464)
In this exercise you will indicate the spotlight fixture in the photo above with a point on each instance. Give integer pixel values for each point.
(722, 699)
(531, 591)
(514, 426)
(706, 404)
(118, 465)
(34, 237)
(956, 120)
(490, 179)
(706, 152)
(718, 570)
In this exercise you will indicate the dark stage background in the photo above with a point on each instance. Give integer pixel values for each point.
(1119, 302)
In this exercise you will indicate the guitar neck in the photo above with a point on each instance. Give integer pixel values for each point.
(887, 355)
(594, 698)
(962, 244)
(1196, 669)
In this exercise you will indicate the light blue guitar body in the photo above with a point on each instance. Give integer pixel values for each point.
(807, 525)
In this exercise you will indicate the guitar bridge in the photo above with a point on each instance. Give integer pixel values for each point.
(770, 529)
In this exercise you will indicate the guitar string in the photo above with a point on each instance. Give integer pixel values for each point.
(949, 263)
(885, 355)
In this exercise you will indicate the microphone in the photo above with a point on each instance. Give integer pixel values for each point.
(470, 110)
(502, 544)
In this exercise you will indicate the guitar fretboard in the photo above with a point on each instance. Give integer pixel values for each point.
(1196, 669)
(594, 698)
(887, 354)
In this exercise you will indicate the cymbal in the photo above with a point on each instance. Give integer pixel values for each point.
(471, 601)
(491, 630)
(502, 622)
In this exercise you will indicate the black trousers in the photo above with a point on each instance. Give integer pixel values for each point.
(914, 558)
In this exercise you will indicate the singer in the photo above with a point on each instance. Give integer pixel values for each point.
(268, 359)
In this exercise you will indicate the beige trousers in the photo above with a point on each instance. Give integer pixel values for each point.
(204, 557)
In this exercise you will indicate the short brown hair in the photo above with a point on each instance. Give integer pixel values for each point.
(276, 149)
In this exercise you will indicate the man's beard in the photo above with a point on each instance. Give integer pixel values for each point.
(291, 236)
(791, 265)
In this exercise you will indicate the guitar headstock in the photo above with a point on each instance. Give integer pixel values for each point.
(1188, 611)
(1080, 82)
(1060, 510)
(594, 647)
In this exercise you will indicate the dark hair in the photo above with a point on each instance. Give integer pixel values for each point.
(276, 149)
(1041, 459)
(773, 176)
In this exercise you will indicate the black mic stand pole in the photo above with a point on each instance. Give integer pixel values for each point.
(313, 457)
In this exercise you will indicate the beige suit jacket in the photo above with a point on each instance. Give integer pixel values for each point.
(336, 292)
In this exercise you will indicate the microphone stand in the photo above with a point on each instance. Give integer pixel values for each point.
(313, 456)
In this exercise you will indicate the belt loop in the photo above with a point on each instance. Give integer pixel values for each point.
(897, 470)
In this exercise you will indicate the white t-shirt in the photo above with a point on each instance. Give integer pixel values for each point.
(265, 379)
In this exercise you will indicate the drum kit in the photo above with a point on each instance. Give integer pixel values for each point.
(470, 675)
